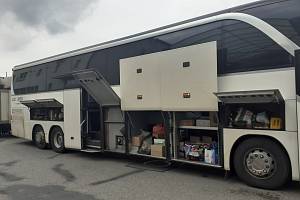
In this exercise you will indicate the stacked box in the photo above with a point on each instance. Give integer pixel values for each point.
(137, 140)
(158, 150)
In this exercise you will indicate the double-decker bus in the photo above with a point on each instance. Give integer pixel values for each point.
(221, 90)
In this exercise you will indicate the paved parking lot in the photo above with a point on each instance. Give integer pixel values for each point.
(28, 173)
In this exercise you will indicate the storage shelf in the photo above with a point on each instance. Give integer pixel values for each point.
(197, 163)
(199, 128)
(257, 129)
(145, 155)
(115, 151)
(114, 122)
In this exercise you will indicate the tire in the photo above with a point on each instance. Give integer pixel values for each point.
(57, 140)
(262, 163)
(39, 138)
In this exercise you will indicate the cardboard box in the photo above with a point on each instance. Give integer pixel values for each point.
(276, 123)
(213, 119)
(137, 140)
(203, 122)
(159, 141)
(187, 122)
(207, 139)
(195, 139)
(158, 150)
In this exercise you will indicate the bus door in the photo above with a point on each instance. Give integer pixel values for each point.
(297, 71)
(103, 94)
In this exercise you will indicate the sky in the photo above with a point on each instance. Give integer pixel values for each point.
(35, 29)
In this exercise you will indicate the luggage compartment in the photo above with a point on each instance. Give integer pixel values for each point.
(258, 109)
(114, 129)
(267, 116)
(147, 134)
(196, 138)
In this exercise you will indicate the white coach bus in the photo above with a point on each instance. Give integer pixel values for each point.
(219, 90)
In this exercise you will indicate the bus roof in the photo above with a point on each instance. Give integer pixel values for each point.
(116, 42)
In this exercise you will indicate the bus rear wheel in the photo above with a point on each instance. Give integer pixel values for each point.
(57, 140)
(261, 162)
(39, 137)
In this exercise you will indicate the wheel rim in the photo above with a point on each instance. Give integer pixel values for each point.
(260, 163)
(58, 140)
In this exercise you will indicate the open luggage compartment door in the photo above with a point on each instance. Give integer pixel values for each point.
(181, 79)
(101, 91)
(255, 96)
(42, 103)
(98, 88)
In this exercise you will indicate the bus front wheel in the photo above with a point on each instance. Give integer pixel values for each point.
(57, 140)
(261, 162)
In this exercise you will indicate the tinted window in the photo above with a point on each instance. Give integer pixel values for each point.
(30, 80)
(192, 36)
(284, 16)
(59, 73)
(245, 48)
(241, 48)
(107, 61)
(54, 70)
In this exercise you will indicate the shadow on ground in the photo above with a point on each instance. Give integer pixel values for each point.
(137, 163)
(50, 192)
(194, 170)
(66, 174)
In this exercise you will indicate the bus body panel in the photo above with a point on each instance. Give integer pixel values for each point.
(22, 112)
(46, 125)
(70, 126)
(298, 121)
(72, 118)
(284, 80)
(289, 140)
(297, 75)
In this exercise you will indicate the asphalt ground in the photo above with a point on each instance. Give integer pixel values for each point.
(28, 173)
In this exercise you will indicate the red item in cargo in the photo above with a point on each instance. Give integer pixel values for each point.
(158, 131)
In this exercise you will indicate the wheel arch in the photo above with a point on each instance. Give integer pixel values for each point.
(246, 137)
(33, 130)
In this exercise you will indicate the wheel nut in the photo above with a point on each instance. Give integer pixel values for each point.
(266, 161)
(261, 156)
(256, 155)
